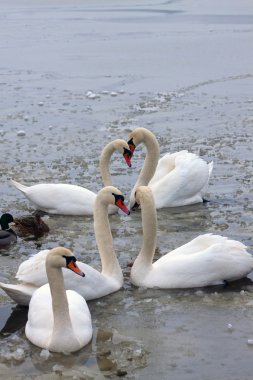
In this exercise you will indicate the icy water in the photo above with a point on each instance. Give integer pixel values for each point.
(184, 72)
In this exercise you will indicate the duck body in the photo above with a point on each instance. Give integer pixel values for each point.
(59, 320)
(7, 235)
(33, 225)
(32, 272)
(68, 199)
(176, 179)
(206, 260)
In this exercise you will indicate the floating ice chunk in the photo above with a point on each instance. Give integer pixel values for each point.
(250, 342)
(45, 354)
(230, 326)
(26, 117)
(21, 133)
(121, 91)
(19, 354)
(113, 93)
(105, 92)
(91, 95)
(41, 104)
(1, 132)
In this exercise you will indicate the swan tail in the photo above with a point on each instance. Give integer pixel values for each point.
(21, 294)
(19, 186)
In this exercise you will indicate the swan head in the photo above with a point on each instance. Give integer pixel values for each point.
(137, 136)
(61, 257)
(122, 147)
(142, 194)
(110, 195)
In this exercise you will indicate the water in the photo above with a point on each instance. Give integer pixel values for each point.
(170, 67)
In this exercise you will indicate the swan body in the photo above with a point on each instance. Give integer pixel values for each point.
(176, 179)
(206, 260)
(32, 272)
(59, 320)
(68, 199)
(7, 235)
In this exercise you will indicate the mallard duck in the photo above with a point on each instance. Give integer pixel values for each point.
(7, 235)
(31, 225)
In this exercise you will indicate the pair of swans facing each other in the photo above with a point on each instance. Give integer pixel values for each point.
(206, 260)
(176, 179)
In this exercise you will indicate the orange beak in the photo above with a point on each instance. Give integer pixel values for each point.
(122, 206)
(72, 266)
(127, 158)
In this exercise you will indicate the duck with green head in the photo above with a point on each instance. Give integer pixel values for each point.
(7, 235)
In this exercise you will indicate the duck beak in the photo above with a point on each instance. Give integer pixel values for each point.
(120, 204)
(72, 266)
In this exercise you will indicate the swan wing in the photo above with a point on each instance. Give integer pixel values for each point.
(198, 244)
(182, 185)
(33, 270)
(165, 165)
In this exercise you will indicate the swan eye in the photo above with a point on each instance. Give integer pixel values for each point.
(131, 145)
(69, 259)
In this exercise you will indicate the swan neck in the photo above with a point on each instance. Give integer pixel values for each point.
(149, 228)
(151, 159)
(62, 323)
(104, 162)
(109, 261)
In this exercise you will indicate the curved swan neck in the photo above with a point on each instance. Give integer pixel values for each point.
(149, 227)
(109, 261)
(104, 161)
(151, 159)
(62, 328)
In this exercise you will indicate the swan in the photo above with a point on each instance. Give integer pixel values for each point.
(59, 320)
(32, 274)
(206, 260)
(177, 179)
(67, 199)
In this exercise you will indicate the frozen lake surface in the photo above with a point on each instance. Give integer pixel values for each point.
(183, 69)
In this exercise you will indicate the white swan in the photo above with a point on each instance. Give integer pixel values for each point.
(177, 179)
(66, 199)
(206, 260)
(59, 320)
(32, 273)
